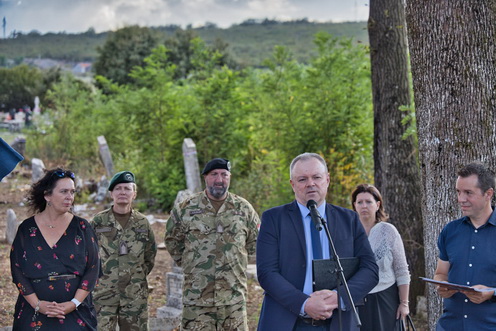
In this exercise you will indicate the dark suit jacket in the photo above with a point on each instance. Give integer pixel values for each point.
(281, 263)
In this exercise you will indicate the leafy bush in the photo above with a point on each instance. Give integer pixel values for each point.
(260, 119)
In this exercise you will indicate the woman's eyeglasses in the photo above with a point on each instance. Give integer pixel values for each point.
(63, 174)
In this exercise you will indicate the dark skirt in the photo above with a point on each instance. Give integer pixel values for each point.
(379, 311)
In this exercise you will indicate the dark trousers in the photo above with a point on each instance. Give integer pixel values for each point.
(302, 326)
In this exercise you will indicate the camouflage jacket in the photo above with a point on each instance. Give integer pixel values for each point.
(212, 248)
(124, 275)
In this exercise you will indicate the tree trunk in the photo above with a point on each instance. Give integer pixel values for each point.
(397, 173)
(454, 77)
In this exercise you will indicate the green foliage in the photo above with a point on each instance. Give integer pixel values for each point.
(258, 119)
(122, 51)
(267, 182)
(19, 86)
(324, 108)
(64, 136)
(60, 46)
(249, 44)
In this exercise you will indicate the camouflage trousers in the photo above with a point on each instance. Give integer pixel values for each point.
(130, 317)
(228, 318)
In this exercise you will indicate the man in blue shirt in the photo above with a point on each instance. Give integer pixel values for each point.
(285, 252)
(466, 254)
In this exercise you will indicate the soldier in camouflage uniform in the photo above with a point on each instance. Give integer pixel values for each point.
(210, 235)
(127, 252)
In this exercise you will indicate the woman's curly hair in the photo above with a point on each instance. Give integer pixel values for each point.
(36, 195)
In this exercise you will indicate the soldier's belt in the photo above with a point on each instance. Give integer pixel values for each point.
(59, 277)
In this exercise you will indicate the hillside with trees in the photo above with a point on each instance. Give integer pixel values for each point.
(259, 118)
(250, 42)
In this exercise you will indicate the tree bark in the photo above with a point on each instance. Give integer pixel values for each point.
(452, 48)
(397, 173)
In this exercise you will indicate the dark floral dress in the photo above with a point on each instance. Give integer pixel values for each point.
(32, 261)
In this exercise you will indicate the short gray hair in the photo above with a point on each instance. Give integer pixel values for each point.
(304, 157)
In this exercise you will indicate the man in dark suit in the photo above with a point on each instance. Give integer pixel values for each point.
(285, 250)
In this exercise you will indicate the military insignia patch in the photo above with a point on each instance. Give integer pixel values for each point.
(195, 212)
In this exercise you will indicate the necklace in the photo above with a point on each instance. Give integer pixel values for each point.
(50, 226)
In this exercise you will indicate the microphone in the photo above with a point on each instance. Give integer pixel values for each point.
(314, 214)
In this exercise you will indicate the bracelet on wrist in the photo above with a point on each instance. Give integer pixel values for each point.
(37, 308)
(76, 302)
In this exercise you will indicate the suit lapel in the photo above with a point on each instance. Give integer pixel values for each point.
(329, 217)
(331, 223)
(295, 218)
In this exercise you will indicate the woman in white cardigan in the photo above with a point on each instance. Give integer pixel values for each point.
(388, 301)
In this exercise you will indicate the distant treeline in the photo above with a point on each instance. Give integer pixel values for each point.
(250, 42)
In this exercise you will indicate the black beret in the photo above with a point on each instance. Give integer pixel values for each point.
(216, 163)
(121, 177)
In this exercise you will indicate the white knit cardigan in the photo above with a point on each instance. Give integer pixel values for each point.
(389, 253)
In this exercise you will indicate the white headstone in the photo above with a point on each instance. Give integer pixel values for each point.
(174, 288)
(169, 316)
(102, 189)
(105, 155)
(38, 169)
(191, 168)
(11, 226)
(168, 319)
(36, 109)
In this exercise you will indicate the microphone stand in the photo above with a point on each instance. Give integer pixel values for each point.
(341, 278)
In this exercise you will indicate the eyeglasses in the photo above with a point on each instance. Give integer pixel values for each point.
(63, 174)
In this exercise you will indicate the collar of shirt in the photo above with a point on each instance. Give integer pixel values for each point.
(491, 220)
(305, 211)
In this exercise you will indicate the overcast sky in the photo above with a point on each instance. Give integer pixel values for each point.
(74, 16)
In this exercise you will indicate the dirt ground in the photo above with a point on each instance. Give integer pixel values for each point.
(12, 192)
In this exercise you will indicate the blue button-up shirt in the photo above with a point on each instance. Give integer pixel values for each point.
(471, 254)
(307, 223)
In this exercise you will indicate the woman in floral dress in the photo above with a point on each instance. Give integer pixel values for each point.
(54, 260)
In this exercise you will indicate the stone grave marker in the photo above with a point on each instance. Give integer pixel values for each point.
(105, 156)
(191, 168)
(11, 226)
(38, 169)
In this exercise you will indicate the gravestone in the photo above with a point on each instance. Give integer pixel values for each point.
(102, 189)
(11, 226)
(38, 169)
(36, 109)
(191, 168)
(105, 156)
(174, 287)
(169, 316)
